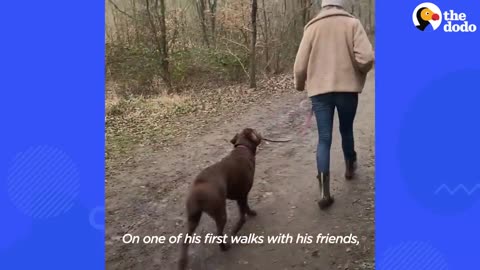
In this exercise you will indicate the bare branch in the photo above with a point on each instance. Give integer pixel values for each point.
(239, 61)
(236, 43)
(120, 10)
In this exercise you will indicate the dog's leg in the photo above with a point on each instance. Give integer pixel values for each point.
(193, 220)
(221, 220)
(250, 212)
(243, 210)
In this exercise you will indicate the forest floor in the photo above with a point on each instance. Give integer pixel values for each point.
(147, 183)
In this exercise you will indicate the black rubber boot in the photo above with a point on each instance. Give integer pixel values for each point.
(324, 182)
(350, 167)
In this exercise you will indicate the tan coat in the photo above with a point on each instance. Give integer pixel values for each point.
(335, 54)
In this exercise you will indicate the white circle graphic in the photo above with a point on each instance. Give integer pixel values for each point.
(433, 11)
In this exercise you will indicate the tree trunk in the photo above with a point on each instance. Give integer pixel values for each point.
(267, 40)
(201, 14)
(370, 17)
(160, 41)
(163, 40)
(213, 19)
(360, 17)
(135, 21)
(253, 64)
(304, 5)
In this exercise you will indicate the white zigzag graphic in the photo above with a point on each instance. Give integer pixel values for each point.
(459, 187)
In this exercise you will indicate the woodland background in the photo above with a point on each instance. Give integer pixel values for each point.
(171, 58)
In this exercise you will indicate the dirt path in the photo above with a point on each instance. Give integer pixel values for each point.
(147, 198)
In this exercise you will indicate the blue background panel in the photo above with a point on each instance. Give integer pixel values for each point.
(427, 141)
(52, 135)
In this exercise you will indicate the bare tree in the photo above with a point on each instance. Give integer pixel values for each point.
(253, 45)
(146, 40)
(371, 16)
(200, 4)
(212, 4)
(360, 14)
(160, 41)
(266, 37)
(305, 6)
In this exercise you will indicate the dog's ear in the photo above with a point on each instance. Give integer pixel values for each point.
(234, 139)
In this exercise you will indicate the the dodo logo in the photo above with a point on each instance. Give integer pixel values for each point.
(427, 14)
(428, 17)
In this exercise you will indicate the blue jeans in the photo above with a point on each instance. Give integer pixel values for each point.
(324, 108)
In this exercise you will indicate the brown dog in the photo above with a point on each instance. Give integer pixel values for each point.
(231, 178)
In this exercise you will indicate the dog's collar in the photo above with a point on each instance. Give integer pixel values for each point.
(244, 146)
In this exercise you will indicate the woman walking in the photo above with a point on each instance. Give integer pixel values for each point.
(332, 62)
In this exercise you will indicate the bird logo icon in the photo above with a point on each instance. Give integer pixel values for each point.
(427, 14)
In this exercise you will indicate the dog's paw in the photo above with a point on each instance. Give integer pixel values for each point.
(252, 213)
(324, 203)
